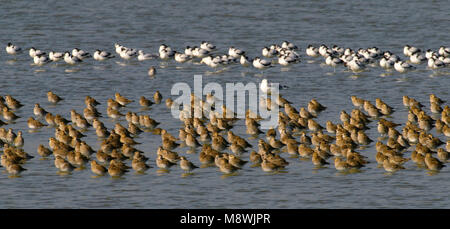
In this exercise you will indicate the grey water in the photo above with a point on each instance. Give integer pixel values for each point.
(248, 25)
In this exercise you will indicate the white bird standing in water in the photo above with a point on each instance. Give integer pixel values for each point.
(207, 46)
(312, 51)
(127, 53)
(444, 51)
(386, 63)
(268, 52)
(235, 53)
(181, 57)
(80, 53)
(145, 56)
(41, 59)
(244, 61)
(199, 52)
(260, 63)
(410, 50)
(264, 86)
(402, 67)
(102, 55)
(71, 59)
(417, 58)
(13, 49)
(435, 63)
(33, 52)
(56, 56)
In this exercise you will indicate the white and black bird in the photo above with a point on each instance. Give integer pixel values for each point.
(261, 64)
(188, 51)
(312, 51)
(323, 49)
(410, 50)
(286, 60)
(444, 51)
(435, 63)
(386, 63)
(33, 52)
(41, 59)
(234, 52)
(244, 61)
(102, 55)
(430, 53)
(181, 57)
(268, 52)
(355, 65)
(81, 54)
(127, 53)
(402, 67)
(288, 45)
(199, 52)
(333, 61)
(118, 48)
(417, 58)
(13, 49)
(145, 56)
(55, 56)
(207, 46)
(68, 58)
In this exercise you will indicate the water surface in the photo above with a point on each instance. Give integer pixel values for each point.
(250, 25)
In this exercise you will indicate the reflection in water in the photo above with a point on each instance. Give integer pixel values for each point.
(348, 172)
(228, 175)
(184, 175)
(432, 172)
(162, 171)
(61, 173)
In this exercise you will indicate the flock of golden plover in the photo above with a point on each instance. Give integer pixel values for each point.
(298, 134)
